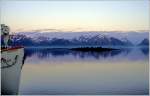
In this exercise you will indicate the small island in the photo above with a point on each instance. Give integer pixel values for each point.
(93, 49)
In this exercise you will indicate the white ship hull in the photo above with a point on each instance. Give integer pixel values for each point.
(11, 64)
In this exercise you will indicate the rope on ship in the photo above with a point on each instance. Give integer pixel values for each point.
(3, 60)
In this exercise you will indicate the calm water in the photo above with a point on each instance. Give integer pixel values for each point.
(60, 71)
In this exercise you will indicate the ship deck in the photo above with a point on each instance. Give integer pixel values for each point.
(11, 49)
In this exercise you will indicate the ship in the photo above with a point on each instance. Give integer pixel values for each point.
(12, 59)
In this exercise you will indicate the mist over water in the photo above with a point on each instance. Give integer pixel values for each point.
(62, 71)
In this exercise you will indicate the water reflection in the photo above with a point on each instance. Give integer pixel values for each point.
(145, 50)
(61, 52)
(62, 71)
(46, 52)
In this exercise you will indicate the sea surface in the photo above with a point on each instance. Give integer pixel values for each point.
(48, 71)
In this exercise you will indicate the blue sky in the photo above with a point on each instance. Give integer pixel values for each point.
(77, 15)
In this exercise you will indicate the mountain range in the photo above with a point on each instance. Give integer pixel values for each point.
(66, 39)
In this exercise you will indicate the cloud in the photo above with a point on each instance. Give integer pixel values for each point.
(46, 30)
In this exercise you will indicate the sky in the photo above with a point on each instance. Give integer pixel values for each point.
(102, 15)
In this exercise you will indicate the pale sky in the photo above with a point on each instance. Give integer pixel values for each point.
(118, 15)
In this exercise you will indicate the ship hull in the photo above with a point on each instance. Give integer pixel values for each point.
(11, 65)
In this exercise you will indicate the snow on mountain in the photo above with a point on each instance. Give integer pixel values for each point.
(134, 37)
(128, 37)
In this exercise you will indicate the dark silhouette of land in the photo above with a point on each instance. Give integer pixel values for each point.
(93, 49)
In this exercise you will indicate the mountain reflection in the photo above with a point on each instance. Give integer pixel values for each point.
(145, 50)
(55, 52)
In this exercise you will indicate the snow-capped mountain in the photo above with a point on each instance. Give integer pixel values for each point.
(103, 40)
(63, 39)
(133, 37)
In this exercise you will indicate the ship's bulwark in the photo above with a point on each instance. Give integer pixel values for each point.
(11, 64)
